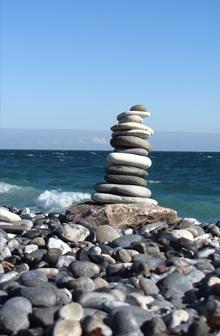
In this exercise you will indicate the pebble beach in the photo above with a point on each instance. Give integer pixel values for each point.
(60, 277)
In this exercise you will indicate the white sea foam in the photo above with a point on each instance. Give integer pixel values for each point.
(53, 199)
(6, 187)
(154, 181)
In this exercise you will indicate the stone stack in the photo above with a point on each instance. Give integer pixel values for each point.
(128, 163)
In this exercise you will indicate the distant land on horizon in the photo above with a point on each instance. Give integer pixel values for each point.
(99, 140)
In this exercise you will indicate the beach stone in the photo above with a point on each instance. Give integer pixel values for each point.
(30, 248)
(136, 151)
(124, 323)
(14, 315)
(123, 189)
(84, 269)
(52, 256)
(175, 285)
(143, 134)
(26, 277)
(177, 234)
(179, 316)
(155, 327)
(44, 316)
(138, 107)
(122, 255)
(142, 114)
(106, 233)
(73, 233)
(129, 141)
(130, 125)
(39, 297)
(59, 244)
(104, 198)
(126, 170)
(94, 299)
(127, 159)
(148, 286)
(67, 328)
(132, 118)
(8, 216)
(126, 241)
(94, 322)
(82, 283)
(126, 179)
(71, 311)
(121, 215)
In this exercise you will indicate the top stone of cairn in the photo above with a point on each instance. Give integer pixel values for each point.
(128, 160)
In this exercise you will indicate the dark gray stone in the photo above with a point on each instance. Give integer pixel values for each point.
(124, 323)
(126, 179)
(137, 151)
(175, 285)
(39, 297)
(26, 277)
(126, 241)
(129, 141)
(44, 316)
(126, 170)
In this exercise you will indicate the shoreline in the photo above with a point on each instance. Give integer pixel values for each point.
(68, 277)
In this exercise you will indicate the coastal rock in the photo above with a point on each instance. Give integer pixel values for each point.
(129, 160)
(84, 269)
(121, 215)
(58, 244)
(126, 170)
(8, 216)
(143, 134)
(106, 233)
(129, 141)
(123, 189)
(131, 125)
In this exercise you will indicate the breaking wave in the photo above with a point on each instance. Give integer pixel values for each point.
(6, 187)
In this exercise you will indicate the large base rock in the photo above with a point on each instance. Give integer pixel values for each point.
(120, 215)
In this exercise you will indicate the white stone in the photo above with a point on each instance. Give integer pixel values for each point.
(142, 114)
(112, 199)
(72, 311)
(213, 281)
(131, 125)
(179, 316)
(8, 216)
(126, 159)
(59, 244)
(192, 221)
(177, 234)
(67, 328)
(123, 189)
(30, 248)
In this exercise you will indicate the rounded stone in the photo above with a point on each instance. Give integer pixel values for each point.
(105, 198)
(129, 141)
(132, 118)
(126, 170)
(73, 233)
(136, 151)
(129, 160)
(123, 189)
(26, 277)
(67, 328)
(131, 125)
(83, 284)
(39, 297)
(142, 114)
(84, 269)
(124, 323)
(126, 179)
(126, 241)
(71, 311)
(14, 315)
(136, 133)
(138, 107)
(106, 233)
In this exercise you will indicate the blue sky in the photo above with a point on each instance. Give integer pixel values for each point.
(70, 64)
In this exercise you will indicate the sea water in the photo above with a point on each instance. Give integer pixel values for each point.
(53, 180)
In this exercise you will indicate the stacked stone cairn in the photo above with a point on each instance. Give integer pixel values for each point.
(128, 163)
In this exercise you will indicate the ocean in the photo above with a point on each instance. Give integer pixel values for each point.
(53, 180)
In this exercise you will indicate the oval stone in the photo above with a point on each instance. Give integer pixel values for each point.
(129, 141)
(132, 118)
(84, 269)
(136, 151)
(134, 132)
(124, 190)
(105, 198)
(138, 107)
(129, 160)
(126, 179)
(142, 114)
(126, 170)
(131, 125)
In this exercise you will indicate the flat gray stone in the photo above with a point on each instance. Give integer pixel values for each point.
(39, 297)
(123, 189)
(132, 118)
(107, 198)
(126, 170)
(133, 132)
(137, 151)
(130, 125)
(126, 179)
(126, 241)
(129, 141)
